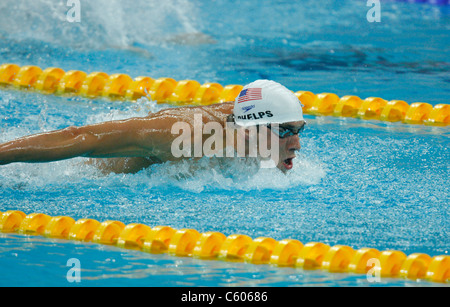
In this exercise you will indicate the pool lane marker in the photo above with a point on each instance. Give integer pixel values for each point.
(236, 247)
(119, 86)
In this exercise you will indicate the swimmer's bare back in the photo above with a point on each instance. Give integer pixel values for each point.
(163, 121)
(129, 145)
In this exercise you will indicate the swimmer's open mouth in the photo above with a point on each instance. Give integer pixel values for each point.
(288, 163)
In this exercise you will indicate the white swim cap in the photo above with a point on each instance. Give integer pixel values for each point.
(265, 102)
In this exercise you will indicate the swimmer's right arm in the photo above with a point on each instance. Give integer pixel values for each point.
(126, 138)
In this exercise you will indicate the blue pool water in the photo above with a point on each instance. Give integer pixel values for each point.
(357, 183)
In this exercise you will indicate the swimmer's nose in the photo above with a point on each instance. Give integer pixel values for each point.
(293, 143)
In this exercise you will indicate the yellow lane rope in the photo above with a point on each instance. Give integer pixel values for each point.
(235, 247)
(56, 81)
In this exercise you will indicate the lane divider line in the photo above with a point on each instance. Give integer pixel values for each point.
(119, 86)
(236, 247)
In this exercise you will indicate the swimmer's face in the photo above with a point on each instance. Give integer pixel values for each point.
(288, 138)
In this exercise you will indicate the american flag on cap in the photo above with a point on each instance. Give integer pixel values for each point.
(250, 94)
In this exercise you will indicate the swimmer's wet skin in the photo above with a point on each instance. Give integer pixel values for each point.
(267, 105)
(287, 131)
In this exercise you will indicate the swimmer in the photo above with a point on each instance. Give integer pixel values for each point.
(130, 145)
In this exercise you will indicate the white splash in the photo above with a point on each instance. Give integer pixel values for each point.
(103, 23)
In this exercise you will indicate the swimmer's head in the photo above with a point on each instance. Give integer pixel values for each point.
(277, 112)
(266, 102)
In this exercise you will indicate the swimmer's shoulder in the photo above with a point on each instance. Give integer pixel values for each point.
(223, 107)
(216, 110)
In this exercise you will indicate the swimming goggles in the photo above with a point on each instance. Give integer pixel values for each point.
(284, 132)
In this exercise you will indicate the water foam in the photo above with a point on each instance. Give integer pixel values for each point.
(233, 174)
(103, 24)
